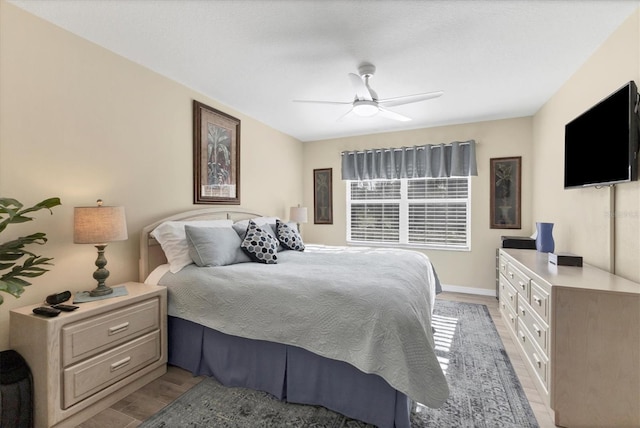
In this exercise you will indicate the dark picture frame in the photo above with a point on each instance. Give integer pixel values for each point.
(216, 156)
(322, 196)
(505, 207)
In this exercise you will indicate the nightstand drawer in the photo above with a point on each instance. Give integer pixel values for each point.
(89, 337)
(95, 374)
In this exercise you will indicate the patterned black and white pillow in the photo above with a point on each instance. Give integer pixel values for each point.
(289, 237)
(260, 245)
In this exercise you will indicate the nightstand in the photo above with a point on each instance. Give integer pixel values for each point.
(86, 360)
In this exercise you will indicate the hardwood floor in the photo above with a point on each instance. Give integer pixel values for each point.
(141, 404)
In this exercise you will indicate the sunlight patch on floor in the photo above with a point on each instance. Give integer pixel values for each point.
(445, 330)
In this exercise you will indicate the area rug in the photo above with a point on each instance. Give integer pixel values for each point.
(485, 391)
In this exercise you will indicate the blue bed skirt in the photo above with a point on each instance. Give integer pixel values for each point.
(287, 372)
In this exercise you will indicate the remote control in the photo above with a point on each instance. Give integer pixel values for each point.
(46, 311)
(66, 308)
(56, 298)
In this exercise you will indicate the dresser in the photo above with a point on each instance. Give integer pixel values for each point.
(86, 360)
(578, 330)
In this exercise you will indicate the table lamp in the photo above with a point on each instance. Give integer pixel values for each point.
(99, 225)
(298, 215)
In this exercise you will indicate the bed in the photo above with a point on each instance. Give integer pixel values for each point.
(345, 328)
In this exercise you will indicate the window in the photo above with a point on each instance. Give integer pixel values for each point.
(431, 212)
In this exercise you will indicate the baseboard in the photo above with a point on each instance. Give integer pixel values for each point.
(468, 290)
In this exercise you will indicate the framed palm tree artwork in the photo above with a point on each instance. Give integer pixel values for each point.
(216, 156)
(505, 192)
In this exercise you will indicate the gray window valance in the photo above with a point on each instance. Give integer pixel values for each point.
(457, 159)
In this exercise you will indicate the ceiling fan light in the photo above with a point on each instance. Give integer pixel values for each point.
(364, 108)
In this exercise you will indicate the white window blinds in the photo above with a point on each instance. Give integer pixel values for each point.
(430, 213)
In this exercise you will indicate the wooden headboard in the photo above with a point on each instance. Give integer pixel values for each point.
(151, 254)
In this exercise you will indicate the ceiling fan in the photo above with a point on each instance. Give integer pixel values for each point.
(366, 102)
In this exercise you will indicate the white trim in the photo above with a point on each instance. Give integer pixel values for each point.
(468, 290)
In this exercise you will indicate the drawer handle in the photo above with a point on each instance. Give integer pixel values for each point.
(537, 300)
(538, 362)
(511, 275)
(522, 285)
(537, 329)
(522, 336)
(120, 364)
(524, 313)
(118, 328)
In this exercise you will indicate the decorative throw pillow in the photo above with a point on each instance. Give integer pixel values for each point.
(260, 245)
(268, 224)
(214, 246)
(173, 240)
(289, 237)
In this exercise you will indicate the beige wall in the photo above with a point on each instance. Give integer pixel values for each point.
(81, 123)
(475, 268)
(584, 217)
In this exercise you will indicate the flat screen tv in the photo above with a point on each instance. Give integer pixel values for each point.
(601, 145)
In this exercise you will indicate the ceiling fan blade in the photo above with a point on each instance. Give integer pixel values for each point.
(408, 99)
(362, 92)
(392, 115)
(348, 114)
(322, 102)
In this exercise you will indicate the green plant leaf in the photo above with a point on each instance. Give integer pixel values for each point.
(12, 208)
(13, 286)
(12, 211)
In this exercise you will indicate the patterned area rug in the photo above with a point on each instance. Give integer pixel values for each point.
(485, 391)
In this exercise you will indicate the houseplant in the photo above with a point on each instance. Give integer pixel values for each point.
(14, 258)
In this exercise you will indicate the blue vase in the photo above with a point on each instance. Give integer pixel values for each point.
(544, 240)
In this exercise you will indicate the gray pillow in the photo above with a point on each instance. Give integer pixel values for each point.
(214, 246)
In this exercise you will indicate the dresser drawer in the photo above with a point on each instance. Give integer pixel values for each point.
(93, 335)
(508, 294)
(509, 314)
(537, 360)
(502, 264)
(533, 323)
(90, 376)
(540, 300)
(518, 279)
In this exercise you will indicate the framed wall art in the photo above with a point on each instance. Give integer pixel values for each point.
(505, 192)
(322, 196)
(216, 156)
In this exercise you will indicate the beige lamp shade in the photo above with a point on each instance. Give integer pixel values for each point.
(99, 225)
(298, 214)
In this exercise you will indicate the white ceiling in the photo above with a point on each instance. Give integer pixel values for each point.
(493, 59)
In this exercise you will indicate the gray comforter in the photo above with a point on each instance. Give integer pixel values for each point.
(369, 307)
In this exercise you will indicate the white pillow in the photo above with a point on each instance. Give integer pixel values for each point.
(173, 240)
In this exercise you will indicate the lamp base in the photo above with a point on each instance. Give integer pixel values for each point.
(101, 274)
(101, 290)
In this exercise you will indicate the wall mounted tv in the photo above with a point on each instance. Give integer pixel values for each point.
(601, 145)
